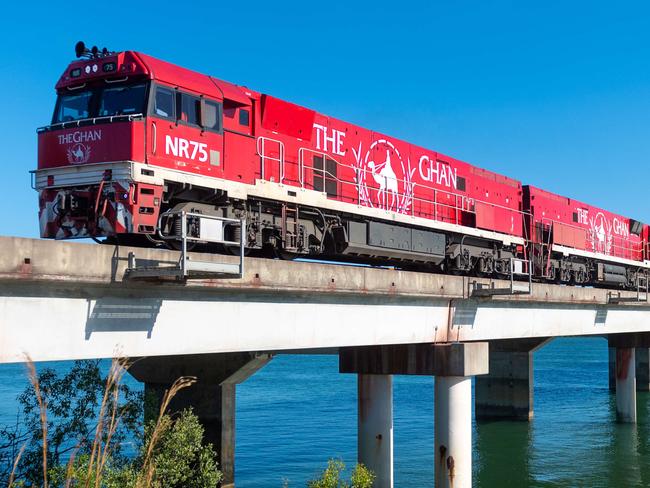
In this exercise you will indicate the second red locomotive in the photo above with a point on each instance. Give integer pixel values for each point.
(134, 139)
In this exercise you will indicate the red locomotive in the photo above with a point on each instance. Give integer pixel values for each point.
(135, 140)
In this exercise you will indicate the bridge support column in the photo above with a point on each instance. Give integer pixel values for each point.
(625, 346)
(625, 385)
(453, 431)
(642, 367)
(375, 426)
(506, 392)
(453, 365)
(212, 397)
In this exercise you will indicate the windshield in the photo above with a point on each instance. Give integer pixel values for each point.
(122, 100)
(101, 102)
(73, 107)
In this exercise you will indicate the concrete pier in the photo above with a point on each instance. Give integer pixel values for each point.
(375, 426)
(625, 385)
(453, 365)
(212, 398)
(506, 392)
(453, 431)
(642, 367)
(625, 347)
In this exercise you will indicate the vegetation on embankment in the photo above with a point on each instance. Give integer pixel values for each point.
(85, 429)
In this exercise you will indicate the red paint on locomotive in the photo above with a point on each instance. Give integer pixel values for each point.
(583, 227)
(126, 126)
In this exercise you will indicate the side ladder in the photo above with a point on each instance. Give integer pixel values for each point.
(641, 291)
(210, 229)
(521, 281)
(290, 227)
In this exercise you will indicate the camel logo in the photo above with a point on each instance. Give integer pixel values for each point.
(383, 178)
(78, 153)
(600, 234)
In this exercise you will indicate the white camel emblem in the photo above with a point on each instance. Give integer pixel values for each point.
(79, 153)
(385, 177)
(600, 236)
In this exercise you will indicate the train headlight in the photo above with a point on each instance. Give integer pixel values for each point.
(87, 69)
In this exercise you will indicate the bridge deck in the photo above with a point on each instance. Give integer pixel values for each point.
(62, 300)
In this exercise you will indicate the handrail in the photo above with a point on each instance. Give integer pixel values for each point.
(90, 121)
(635, 250)
(437, 191)
(631, 250)
(301, 162)
(259, 147)
(155, 138)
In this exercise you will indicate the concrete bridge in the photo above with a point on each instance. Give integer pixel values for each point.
(62, 300)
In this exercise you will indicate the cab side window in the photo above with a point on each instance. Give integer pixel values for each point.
(183, 108)
(212, 116)
(237, 118)
(244, 117)
(189, 109)
(164, 103)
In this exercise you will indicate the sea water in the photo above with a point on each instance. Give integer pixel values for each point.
(298, 412)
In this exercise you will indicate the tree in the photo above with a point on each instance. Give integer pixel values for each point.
(74, 426)
(73, 401)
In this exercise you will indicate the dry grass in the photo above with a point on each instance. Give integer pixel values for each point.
(33, 378)
(148, 467)
(108, 420)
(104, 432)
(15, 466)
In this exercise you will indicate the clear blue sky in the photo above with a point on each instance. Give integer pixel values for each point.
(554, 93)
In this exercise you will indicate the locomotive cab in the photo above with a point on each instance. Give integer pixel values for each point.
(113, 124)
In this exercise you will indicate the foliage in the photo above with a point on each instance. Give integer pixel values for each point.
(362, 477)
(179, 460)
(90, 417)
(72, 401)
(331, 477)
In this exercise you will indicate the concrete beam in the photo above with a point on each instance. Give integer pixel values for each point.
(506, 392)
(32, 266)
(456, 359)
(74, 298)
(375, 426)
(212, 397)
(635, 339)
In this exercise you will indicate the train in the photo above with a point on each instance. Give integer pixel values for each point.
(135, 141)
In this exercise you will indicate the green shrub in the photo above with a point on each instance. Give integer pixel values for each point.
(331, 477)
(74, 426)
(179, 460)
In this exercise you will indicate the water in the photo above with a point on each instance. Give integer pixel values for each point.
(299, 411)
